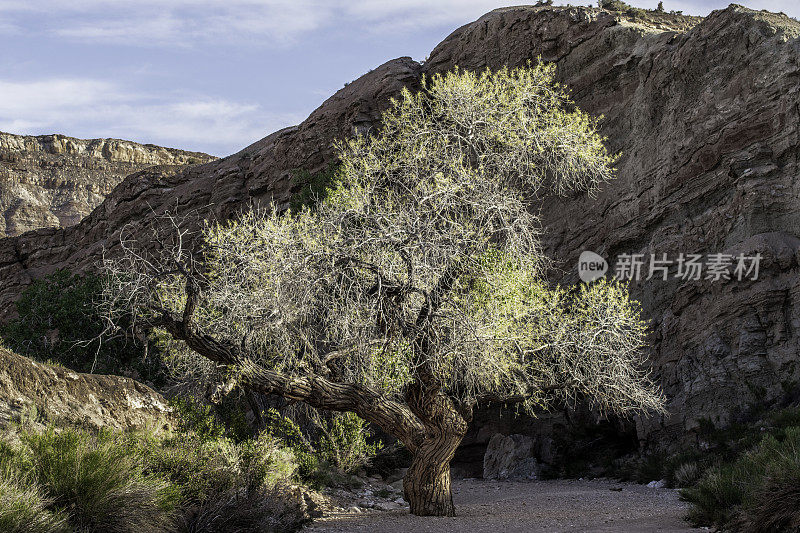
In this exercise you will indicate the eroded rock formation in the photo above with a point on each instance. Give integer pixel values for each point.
(704, 113)
(55, 181)
(40, 395)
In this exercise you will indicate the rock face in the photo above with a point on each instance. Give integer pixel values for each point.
(39, 394)
(55, 181)
(510, 457)
(705, 115)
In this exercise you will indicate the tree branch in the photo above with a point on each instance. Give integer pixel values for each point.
(393, 417)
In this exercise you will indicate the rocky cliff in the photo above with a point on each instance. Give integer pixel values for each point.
(55, 181)
(704, 113)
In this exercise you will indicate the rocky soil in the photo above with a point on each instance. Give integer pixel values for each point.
(38, 395)
(55, 181)
(705, 116)
(491, 506)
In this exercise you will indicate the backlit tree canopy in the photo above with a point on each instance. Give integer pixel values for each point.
(415, 289)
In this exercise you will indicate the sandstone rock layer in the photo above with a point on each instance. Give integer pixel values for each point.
(43, 395)
(55, 181)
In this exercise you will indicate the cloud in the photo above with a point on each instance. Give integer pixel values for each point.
(266, 22)
(171, 22)
(94, 108)
(263, 22)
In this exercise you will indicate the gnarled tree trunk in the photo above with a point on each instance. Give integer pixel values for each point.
(426, 485)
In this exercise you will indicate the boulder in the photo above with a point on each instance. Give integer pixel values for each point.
(510, 458)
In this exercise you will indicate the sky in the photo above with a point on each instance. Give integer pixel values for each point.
(215, 75)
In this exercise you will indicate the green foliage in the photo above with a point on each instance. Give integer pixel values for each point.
(344, 442)
(225, 486)
(340, 446)
(748, 477)
(93, 481)
(139, 481)
(742, 490)
(687, 474)
(614, 5)
(311, 188)
(678, 469)
(345, 281)
(24, 509)
(59, 323)
(196, 417)
(622, 7)
(202, 469)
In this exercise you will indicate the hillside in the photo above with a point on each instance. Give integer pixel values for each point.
(41, 394)
(55, 181)
(705, 116)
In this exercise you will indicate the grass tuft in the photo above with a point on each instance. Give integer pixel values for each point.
(24, 509)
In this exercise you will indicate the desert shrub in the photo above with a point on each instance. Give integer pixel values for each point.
(338, 445)
(265, 463)
(93, 480)
(310, 188)
(275, 510)
(742, 491)
(344, 441)
(224, 485)
(142, 481)
(687, 474)
(24, 509)
(57, 321)
(311, 468)
(193, 416)
(614, 5)
(199, 469)
(775, 507)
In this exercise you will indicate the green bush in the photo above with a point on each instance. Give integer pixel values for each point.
(58, 321)
(265, 463)
(309, 188)
(776, 507)
(138, 481)
(687, 474)
(198, 469)
(223, 485)
(759, 489)
(192, 416)
(337, 446)
(344, 442)
(93, 481)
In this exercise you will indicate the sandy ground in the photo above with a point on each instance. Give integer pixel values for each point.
(552, 506)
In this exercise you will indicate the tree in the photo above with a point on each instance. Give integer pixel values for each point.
(415, 290)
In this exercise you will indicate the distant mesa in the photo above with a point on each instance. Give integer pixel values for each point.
(54, 181)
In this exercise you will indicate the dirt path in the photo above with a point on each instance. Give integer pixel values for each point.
(552, 506)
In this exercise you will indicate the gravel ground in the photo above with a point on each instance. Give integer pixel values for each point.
(552, 506)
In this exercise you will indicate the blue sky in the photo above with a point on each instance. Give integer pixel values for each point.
(213, 75)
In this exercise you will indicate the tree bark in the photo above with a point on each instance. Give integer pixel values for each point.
(426, 485)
